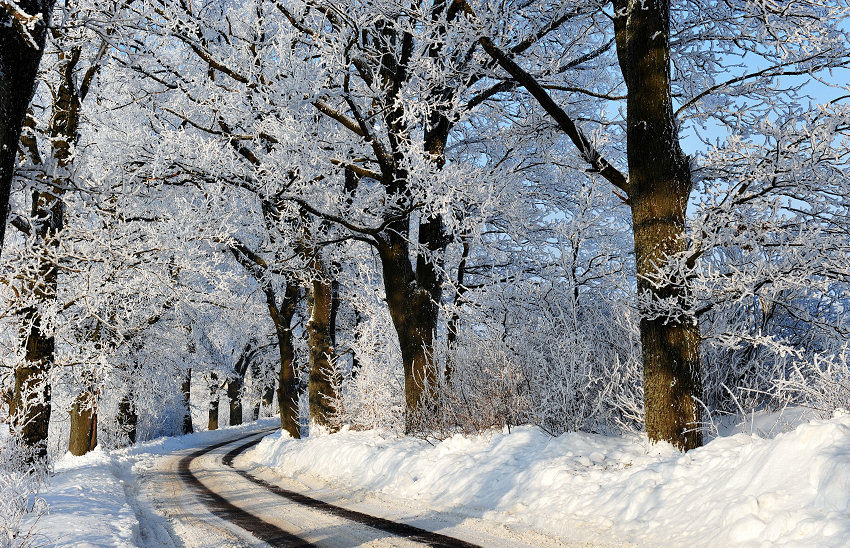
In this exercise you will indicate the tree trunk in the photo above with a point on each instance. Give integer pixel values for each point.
(659, 188)
(32, 406)
(19, 62)
(281, 316)
(234, 397)
(83, 436)
(287, 394)
(268, 398)
(32, 393)
(414, 315)
(320, 389)
(212, 420)
(128, 419)
(454, 321)
(186, 389)
(30, 409)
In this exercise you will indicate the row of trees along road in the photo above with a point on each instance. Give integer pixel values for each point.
(204, 187)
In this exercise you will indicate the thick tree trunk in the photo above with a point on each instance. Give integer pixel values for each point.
(659, 188)
(32, 393)
(32, 406)
(186, 389)
(234, 397)
(83, 437)
(19, 60)
(287, 394)
(128, 419)
(212, 418)
(414, 315)
(30, 409)
(320, 389)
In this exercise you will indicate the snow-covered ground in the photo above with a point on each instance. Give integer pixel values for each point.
(741, 489)
(94, 500)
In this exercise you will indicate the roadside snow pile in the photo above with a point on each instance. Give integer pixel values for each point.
(87, 504)
(94, 500)
(741, 490)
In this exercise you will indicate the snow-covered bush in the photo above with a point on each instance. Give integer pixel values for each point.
(20, 482)
(541, 360)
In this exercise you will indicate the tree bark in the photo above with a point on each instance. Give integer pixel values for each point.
(281, 316)
(659, 188)
(266, 401)
(287, 393)
(186, 389)
(19, 60)
(234, 397)
(413, 311)
(83, 437)
(32, 395)
(128, 418)
(212, 417)
(454, 322)
(320, 388)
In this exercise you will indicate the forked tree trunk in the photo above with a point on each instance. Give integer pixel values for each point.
(659, 188)
(414, 315)
(186, 389)
(281, 316)
(212, 417)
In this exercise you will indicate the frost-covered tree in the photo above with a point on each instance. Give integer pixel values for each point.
(23, 31)
(698, 40)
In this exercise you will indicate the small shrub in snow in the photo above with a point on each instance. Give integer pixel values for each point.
(20, 483)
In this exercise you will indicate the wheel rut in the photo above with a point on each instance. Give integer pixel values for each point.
(274, 535)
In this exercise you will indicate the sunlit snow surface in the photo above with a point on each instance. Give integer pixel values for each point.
(791, 489)
(93, 498)
(738, 490)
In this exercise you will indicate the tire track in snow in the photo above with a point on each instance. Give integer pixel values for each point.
(227, 511)
(393, 527)
(273, 534)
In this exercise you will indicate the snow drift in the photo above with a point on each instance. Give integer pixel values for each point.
(739, 490)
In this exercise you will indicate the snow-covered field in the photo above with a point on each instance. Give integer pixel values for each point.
(741, 489)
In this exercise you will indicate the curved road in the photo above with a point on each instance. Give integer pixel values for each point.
(209, 501)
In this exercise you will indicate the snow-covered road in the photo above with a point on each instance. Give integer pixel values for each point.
(517, 488)
(212, 498)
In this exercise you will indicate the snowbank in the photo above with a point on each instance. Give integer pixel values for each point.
(740, 490)
(93, 500)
